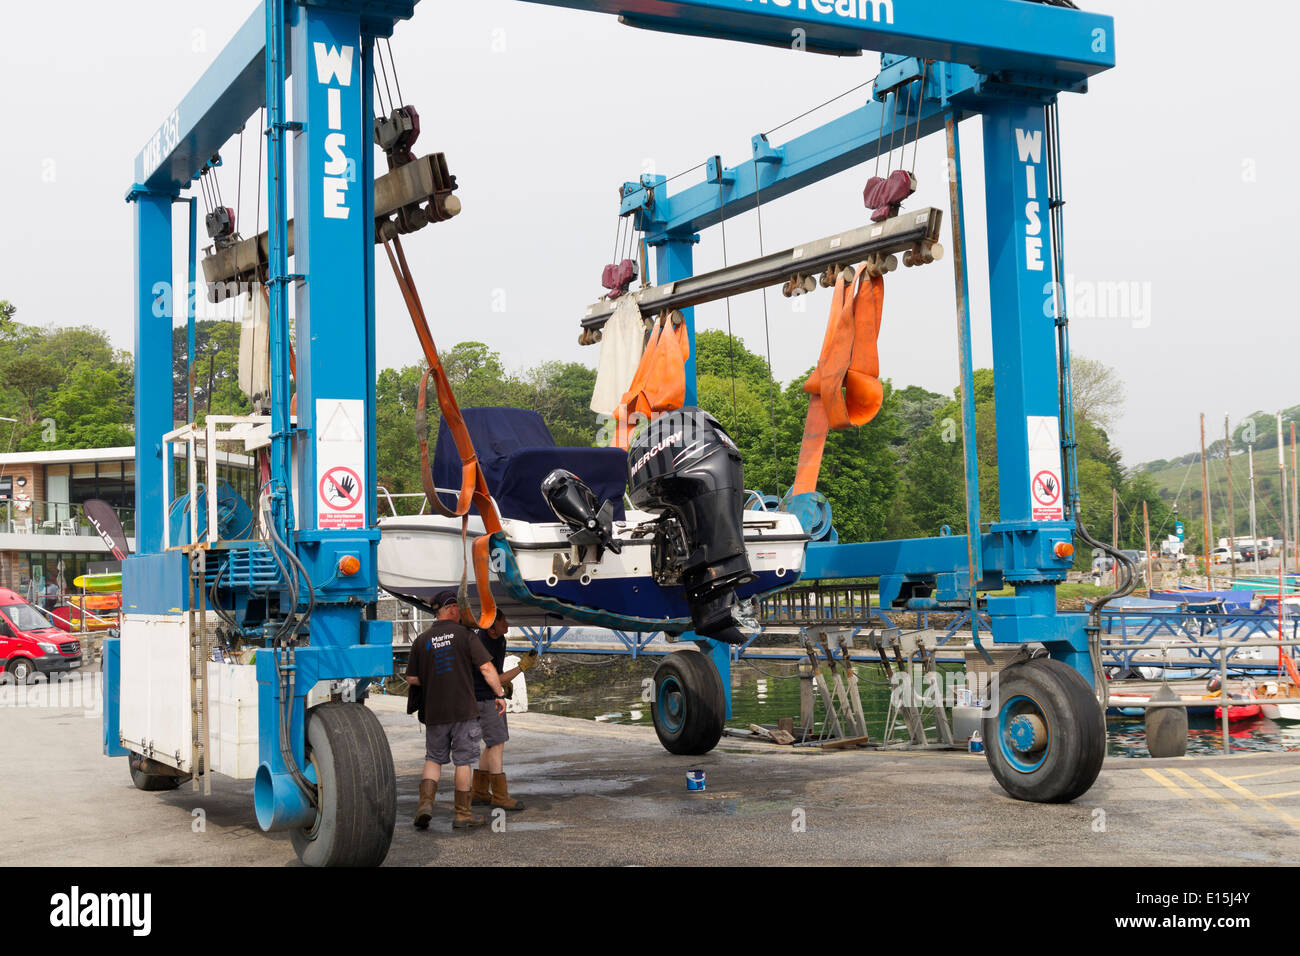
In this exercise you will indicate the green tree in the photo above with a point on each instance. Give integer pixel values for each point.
(561, 393)
(216, 371)
(1134, 492)
(398, 454)
(70, 376)
(31, 379)
(935, 479)
(89, 411)
(748, 405)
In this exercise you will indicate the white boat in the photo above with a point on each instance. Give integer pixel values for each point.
(685, 556)
(422, 555)
(1279, 700)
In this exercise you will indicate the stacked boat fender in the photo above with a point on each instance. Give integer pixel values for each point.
(1166, 726)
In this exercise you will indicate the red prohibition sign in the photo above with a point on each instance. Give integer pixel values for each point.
(340, 488)
(1046, 488)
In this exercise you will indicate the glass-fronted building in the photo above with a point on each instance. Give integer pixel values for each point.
(46, 540)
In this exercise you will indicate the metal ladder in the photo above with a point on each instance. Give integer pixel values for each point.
(200, 650)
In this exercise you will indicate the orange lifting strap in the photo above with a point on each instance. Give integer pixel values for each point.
(659, 384)
(473, 484)
(845, 386)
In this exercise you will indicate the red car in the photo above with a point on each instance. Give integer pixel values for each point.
(29, 643)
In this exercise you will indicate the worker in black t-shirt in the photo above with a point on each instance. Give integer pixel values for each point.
(443, 662)
(490, 779)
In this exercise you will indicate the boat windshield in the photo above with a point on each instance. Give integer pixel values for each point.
(24, 617)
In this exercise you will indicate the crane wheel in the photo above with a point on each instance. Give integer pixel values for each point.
(357, 792)
(152, 781)
(690, 703)
(1046, 737)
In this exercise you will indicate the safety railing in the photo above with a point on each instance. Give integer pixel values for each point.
(57, 518)
(1223, 701)
(1138, 630)
(392, 499)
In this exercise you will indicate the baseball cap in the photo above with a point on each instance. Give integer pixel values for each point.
(444, 598)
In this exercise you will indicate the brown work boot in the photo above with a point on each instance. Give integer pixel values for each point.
(424, 812)
(482, 795)
(501, 794)
(465, 817)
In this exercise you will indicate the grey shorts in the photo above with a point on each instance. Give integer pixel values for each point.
(494, 726)
(453, 743)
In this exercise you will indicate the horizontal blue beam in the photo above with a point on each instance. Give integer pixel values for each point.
(920, 556)
(775, 171)
(228, 93)
(989, 35)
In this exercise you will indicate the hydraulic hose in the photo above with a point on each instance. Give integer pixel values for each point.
(291, 581)
(1056, 225)
(282, 640)
(1094, 612)
(212, 597)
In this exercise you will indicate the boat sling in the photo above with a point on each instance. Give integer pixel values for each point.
(845, 386)
(473, 486)
(659, 384)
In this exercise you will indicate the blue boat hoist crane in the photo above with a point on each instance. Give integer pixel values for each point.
(297, 581)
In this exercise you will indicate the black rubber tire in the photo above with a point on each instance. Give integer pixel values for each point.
(358, 788)
(21, 670)
(703, 700)
(153, 781)
(1076, 729)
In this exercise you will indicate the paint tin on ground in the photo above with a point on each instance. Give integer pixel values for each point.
(976, 743)
(695, 780)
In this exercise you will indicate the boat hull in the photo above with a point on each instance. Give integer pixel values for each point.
(1281, 711)
(420, 556)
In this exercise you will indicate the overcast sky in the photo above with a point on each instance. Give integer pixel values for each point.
(1178, 173)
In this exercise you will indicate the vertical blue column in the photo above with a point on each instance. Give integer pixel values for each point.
(675, 259)
(1024, 344)
(277, 232)
(720, 654)
(332, 235)
(367, 161)
(154, 306)
(191, 290)
(1025, 380)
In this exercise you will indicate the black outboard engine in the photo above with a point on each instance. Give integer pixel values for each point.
(590, 525)
(686, 467)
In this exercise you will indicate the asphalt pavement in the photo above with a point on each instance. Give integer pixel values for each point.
(600, 794)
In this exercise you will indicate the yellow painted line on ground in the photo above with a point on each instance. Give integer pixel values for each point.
(1252, 796)
(1263, 773)
(1203, 789)
(1165, 782)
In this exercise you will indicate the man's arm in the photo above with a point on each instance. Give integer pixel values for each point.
(489, 672)
(525, 663)
(413, 663)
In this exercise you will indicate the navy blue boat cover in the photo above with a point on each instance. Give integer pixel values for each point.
(517, 452)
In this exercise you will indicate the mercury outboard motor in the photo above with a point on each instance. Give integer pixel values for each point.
(590, 525)
(685, 466)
